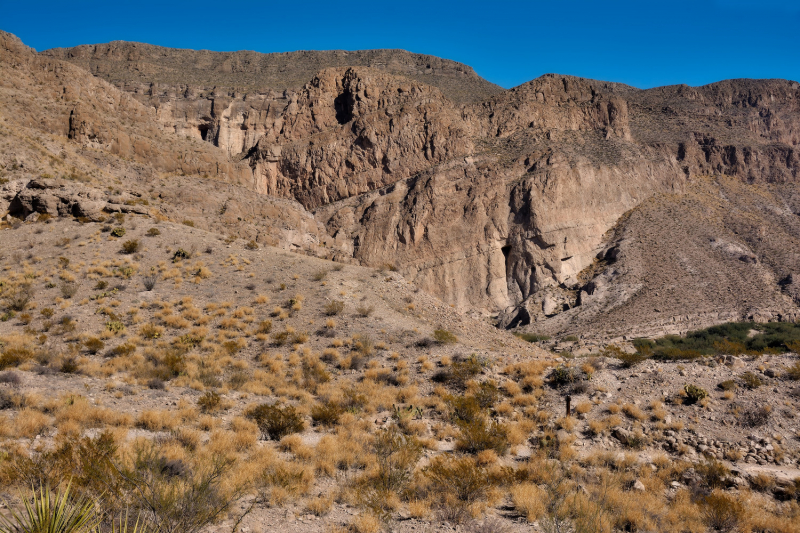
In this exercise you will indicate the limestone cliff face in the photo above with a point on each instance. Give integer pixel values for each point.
(513, 202)
(355, 130)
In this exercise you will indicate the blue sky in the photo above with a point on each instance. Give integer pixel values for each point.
(645, 43)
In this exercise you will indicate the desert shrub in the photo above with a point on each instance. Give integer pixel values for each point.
(566, 375)
(487, 395)
(151, 331)
(122, 349)
(326, 413)
(276, 421)
(149, 280)
(364, 344)
(153, 232)
(68, 289)
(11, 378)
(532, 337)
(118, 232)
(733, 338)
(364, 310)
(17, 297)
(156, 384)
(209, 402)
(750, 380)
(442, 336)
(281, 338)
(755, 417)
(629, 360)
(480, 434)
(319, 276)
(396, 454)
(727, 385)
(694, 393)
(130, 246)
(722, 512)
(69, 365)
(793, 372)
(47, 312)
(464, 409)
(714, 474)
(425, 342)
(265, 326)
(334, 307)
(175, 498)
(462, 371)
(93, 345)
(251, 245)
(461, 478)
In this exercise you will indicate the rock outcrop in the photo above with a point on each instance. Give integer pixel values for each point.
(540, 203)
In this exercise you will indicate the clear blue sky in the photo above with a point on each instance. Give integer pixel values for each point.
(644, 43)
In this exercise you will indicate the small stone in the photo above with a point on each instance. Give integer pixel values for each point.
(638, 486)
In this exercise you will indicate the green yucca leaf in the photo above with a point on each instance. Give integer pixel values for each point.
(48, 513)
(122, 525)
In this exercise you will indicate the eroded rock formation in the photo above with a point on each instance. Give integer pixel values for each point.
(523, 201)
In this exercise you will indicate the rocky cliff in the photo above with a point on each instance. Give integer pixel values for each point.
(555, 204)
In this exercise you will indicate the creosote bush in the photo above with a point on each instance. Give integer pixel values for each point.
(276, 421)
(130, 246)
(442, 336)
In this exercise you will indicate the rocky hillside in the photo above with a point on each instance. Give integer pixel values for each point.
(540, 204)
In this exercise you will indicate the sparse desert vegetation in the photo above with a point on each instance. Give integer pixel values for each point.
(196, 399)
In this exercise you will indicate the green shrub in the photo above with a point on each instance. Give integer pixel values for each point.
(153, 232)
(532, 337)
(793, 372)
(118, 232)
(276, 421)
(442, 336)
(566, 375)
(750, 380)
(629, 360)
(130, 246)
(694, 393)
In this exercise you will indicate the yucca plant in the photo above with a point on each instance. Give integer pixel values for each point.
(48, 513)
(123, 525)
